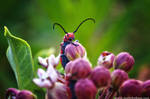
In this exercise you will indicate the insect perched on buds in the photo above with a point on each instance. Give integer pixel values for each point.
(68, 38)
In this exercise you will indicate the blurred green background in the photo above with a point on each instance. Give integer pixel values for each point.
(121, 25)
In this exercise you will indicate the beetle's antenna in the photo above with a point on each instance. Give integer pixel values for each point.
(83, 22)
(60, 26)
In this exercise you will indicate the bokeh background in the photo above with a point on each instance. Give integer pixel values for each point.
(121, 25)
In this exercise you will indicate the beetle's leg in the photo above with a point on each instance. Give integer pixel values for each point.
(74, 44)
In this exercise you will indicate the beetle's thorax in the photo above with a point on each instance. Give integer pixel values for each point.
(69, 37)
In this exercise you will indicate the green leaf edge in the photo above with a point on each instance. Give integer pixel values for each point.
(6, 31)
(9, 35)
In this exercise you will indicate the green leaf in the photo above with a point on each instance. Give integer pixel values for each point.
(20, 58)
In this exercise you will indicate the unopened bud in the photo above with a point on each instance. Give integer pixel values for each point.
(74, 51)
(12, 93)
(118, 77)
(131, 88)
(79, 68)
(101, 77)
(85, 89)
(146, 89)
(124, 61)
(25, 94)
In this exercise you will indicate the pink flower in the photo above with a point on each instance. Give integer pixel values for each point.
(51, 79)
(106, 59)
(60, 91)
(46, 79)
(51, 60)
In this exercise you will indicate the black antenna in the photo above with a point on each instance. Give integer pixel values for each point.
(83, 22)
(60, 26)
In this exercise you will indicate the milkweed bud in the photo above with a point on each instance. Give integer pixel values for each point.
(131, 88)
(101, 77)
(106, 59)
(12, 93)
(118, 77)
(74, 51)
(85, 89)
(68, 70)
(124, 61)
(25, 94)
(79, 68)
(146, 89)
(17, 94)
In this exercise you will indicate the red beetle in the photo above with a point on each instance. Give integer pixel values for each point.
(68, 38)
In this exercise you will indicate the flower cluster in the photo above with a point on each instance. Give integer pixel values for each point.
(80, 81)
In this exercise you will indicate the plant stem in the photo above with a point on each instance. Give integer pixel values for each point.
(102, 96)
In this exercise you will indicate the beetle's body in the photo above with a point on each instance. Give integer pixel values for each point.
(68, 38)
(64, 60)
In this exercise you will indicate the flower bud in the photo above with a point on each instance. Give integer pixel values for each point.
(12, 93)
(17, 94)
(85, 89)
(118, 77)
(106, 59)
(25, 94)
(131, 88)
(68, 68)
(146, 89)
(75, 50)
(79, 68)
(101, 77)
(124, 61)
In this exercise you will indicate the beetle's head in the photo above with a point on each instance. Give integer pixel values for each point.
(69, 37)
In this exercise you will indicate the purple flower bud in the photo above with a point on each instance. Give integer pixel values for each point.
(25, 94)
(12, 93)
(106, 59)
(124, 61)
(101, 77)
(146, 89)
(118, 77)
(79, 68)
(131, 88)
(68, 68)
(74, 51)
(85, 89)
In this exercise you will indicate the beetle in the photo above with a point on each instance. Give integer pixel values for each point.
(68, 38)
